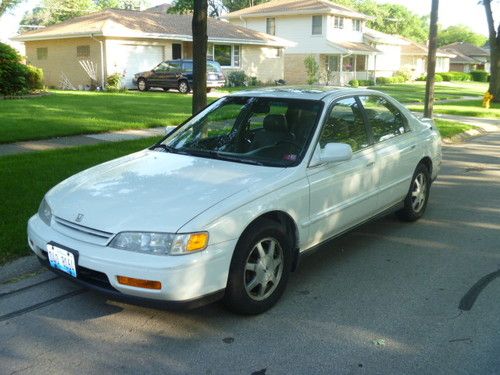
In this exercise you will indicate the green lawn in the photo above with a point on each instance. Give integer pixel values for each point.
(24, 180)
(450, 128)
(473, 108)
(415, 92)
(79, 112)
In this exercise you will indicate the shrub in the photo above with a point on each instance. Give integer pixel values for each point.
(236, 78)
(253, 81)
(421, 78)
(354, 83)
(446, 77)
(438, 78)
(312, 69)
(12, 72)
(114, 82)
(479, 76)
(34, 77)
(405, 74)
(366, 82)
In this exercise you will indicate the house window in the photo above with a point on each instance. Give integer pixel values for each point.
(82, 51)
(236, 55)
(42, 53)
(224, 54)
(317, 25)
(356, 25)
(338, 22)
(271, 26)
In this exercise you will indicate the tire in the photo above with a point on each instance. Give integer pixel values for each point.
(183, 87)
(257, 278)
(416, 200)
(142, 85)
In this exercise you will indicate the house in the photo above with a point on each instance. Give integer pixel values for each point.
(128, 42)
(468, 57)
(414, 59)
(338, 38)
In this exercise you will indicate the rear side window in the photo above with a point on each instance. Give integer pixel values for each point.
(345, 125)
(174, 66)
(386, 121)
(187, 67)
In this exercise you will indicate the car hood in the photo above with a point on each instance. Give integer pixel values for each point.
(152, 191)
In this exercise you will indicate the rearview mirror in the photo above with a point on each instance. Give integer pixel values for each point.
(335, 152)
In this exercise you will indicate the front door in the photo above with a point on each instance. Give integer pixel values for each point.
(342, 194)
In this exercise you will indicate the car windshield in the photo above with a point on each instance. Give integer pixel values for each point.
(263, 131)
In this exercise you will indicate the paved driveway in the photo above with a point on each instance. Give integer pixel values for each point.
(388, 298)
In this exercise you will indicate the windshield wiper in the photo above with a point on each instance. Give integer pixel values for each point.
(167, 148)
(238, 159)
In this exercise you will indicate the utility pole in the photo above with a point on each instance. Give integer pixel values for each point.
(431, 61)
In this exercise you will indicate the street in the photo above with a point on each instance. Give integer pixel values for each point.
(387, 298)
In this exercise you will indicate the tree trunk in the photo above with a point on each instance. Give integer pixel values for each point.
(431, 61)
(200, 38)
(494, 88)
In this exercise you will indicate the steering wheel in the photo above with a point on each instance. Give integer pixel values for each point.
(293, 143)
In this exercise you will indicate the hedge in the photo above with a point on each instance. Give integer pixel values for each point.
(479, 76)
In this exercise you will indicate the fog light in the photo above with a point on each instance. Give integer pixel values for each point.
(139, 283)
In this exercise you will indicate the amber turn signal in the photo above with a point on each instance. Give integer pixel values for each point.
(197, 241)
(139, 283)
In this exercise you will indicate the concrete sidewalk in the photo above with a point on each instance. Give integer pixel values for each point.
(80, 140)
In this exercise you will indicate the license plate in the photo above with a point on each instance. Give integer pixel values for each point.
(62, 259)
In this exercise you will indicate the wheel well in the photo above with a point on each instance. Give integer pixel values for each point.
(289, 227)
(428, 163)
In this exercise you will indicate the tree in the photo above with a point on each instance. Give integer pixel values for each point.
(234, 5)
(494, 37)
(7, 5)
(431, 60)
(215, 7)
(460, 33)
(200, 40)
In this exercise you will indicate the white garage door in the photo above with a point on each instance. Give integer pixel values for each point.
(137, 59)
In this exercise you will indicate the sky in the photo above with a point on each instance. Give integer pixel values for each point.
(451, 12)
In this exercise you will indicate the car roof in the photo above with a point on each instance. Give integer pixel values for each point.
(306, 93)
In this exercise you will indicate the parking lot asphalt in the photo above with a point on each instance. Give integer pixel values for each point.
(387, 298)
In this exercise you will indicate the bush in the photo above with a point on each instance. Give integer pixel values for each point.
(384, 80)
(114, 82)
(236, 78)
(479, 76)
(406, 74)
(366, 82)
(354, 83)
(438, 78)
(34, 77)
(446, 77)
(312, 69)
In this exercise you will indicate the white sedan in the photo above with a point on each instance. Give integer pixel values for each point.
(226, 204)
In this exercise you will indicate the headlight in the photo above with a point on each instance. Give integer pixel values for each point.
(45, 212)
(160, 243)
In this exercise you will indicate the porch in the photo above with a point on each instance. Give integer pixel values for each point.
(339, 70)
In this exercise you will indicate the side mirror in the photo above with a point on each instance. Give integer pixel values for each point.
(335, 152)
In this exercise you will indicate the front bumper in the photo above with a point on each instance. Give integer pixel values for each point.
(186, 280)
(215, 84)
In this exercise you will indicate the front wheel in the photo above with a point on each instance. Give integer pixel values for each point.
(183, 87)
(142, 85)
(415, 202)
(259, 269)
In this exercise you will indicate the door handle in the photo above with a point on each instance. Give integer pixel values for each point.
(370, 164)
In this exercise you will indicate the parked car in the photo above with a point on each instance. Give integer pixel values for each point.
(225, 205)
(178, 74)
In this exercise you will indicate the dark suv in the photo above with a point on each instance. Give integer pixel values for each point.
(178, 74)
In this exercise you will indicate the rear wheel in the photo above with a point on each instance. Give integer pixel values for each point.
(183, 87)
(415, 202)
(142, 85)
(259, 269)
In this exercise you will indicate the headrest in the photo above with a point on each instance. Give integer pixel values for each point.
(275, 123)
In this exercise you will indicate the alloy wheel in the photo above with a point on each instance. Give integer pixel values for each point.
(419, 192)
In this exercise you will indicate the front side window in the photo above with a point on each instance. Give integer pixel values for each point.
(263, 131)
(385, 120)
(317, 25)
(271, 26)
(338, 22)
(42, 53)
(174, 66)
(345, 125)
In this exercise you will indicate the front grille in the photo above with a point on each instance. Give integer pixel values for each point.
(81, 232)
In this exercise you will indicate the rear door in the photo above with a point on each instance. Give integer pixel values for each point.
(342, 194)
(158, 76)
(173, 74)
(395, 148)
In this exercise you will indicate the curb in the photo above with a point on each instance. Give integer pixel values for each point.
(469, 134)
